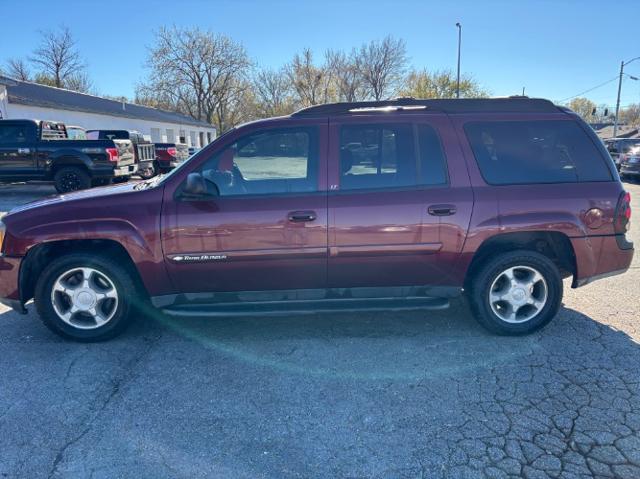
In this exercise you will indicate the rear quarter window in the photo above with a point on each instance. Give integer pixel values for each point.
(525, 152)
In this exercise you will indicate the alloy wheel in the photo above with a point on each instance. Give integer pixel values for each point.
(84, 298)
(518, 294)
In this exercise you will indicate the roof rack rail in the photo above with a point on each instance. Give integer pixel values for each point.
(516, 104)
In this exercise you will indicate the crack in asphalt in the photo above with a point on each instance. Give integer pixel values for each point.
(116, 387)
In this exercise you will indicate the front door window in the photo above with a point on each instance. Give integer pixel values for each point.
(269, 162)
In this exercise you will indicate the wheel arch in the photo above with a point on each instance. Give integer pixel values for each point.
(554, 245)
(42, 254)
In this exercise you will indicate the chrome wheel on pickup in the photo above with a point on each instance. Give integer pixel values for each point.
(517, 292)
(86, 296)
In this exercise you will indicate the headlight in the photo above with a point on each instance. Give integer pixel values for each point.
(3, 228)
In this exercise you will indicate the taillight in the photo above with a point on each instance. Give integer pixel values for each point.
(623, 213)
(112, 153)
(172, 151)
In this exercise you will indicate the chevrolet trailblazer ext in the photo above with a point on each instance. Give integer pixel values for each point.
(396, 204)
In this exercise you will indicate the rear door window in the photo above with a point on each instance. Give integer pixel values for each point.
(522, 152)
(387, 156)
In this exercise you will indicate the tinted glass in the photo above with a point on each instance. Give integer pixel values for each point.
(272, 161)
(376, 156)
(384, 156)
(13, 134)
(520, 152)
(432, 166)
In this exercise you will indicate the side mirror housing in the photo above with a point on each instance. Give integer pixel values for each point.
(195, 187)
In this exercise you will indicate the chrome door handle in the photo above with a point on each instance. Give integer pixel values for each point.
(24, 151)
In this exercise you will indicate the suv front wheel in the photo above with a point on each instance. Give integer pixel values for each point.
(85, 297)
(516, 293)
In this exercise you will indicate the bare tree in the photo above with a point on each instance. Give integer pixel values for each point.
(57, 56)
(18, 69)
(311, 83)
(273, 95)
(346, 76)
(194, 72)
(79, 82)
(237, 107)
(382, 65)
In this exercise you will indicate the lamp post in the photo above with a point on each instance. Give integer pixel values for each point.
(615, 123)
(458, 75)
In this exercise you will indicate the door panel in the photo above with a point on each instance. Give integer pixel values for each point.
(388, 236)
(251, 244)
(17, 154)
(244, 241)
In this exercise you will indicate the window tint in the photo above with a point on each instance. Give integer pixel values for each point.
(384, 156)
(13, 134)
(272, 161)
(432, 166)
(520, 152)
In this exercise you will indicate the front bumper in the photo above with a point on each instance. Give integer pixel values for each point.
(10, 283)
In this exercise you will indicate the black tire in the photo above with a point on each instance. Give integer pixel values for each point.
(119, 277)
(148, 173)
(71, 178)
(101, 182)
(480, 285)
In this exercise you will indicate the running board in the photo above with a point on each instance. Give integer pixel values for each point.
(281, 308)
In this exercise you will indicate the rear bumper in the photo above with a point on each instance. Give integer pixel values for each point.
(126, 170)
(10, 283)
(631, 170)
(599, 257)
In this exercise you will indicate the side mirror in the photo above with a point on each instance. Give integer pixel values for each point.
(196, 187)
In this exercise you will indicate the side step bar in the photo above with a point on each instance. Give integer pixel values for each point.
(280, 308)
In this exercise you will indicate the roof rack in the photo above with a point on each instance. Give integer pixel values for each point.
(516, 104)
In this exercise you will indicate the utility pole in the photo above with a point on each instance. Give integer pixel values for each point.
(615, 122)
(459, 43)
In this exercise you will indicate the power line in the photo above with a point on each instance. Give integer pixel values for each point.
(591, 89)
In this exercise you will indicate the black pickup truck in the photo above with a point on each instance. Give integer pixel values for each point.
(40, 150)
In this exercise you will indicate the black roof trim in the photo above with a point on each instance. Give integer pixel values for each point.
(464, 105)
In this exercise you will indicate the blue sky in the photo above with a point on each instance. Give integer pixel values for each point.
(556, 49)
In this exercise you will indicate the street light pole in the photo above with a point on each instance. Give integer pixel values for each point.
(459, 43)
(615, 122)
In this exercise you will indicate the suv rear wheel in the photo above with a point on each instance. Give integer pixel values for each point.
(85, 297)
(71, 178)
(516, 293)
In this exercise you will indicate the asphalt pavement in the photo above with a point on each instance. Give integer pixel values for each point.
(388, 395)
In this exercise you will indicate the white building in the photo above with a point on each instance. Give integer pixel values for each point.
(26, 100)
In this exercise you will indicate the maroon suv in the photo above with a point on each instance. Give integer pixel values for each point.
(397, 204)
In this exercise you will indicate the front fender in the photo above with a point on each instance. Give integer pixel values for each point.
(119, 214)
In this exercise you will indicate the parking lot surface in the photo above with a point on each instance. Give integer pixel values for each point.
(389, 395)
